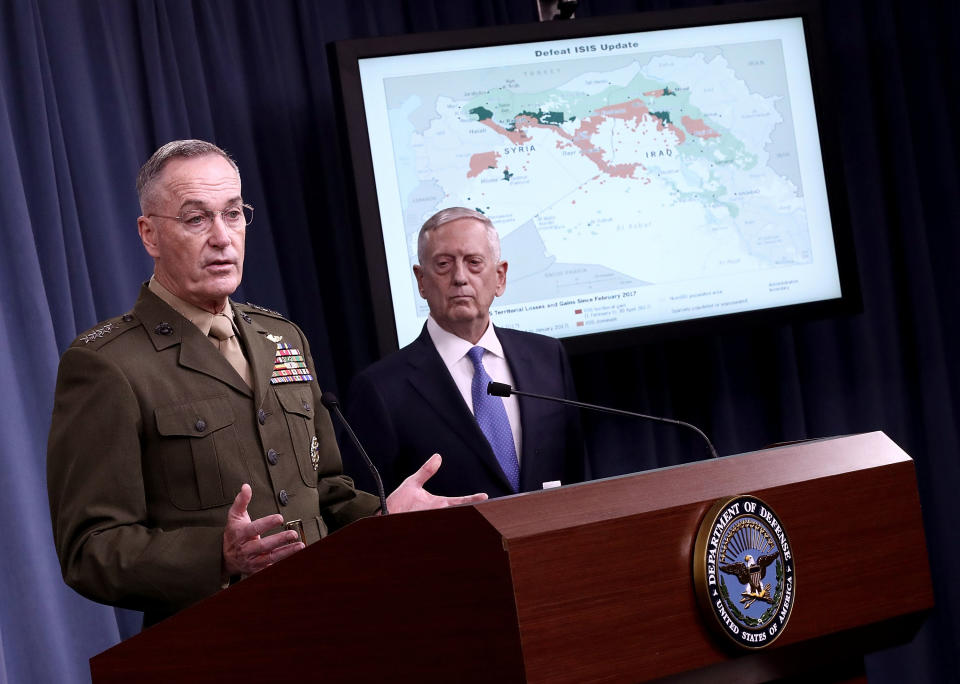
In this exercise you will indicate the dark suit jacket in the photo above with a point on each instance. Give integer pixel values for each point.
(406, 407)
(153, 433)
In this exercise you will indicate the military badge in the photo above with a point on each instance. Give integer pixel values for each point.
(315, 453)
(97, 333)
(274, 338)
(743, 571)
(264, 309)
(289, 366)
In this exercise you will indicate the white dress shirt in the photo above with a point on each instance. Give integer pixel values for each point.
(453, 350)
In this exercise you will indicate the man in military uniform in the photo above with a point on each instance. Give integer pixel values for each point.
(187, 431)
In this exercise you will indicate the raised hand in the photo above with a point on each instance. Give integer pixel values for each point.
(411, 496)
(244, 550)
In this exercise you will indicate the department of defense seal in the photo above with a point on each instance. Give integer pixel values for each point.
(743, 571)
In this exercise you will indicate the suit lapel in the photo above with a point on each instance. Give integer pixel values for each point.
(168, 328)
(430, 379)
(521, 364)
(261, 354)
(197, 353)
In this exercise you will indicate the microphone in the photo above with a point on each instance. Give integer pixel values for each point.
(502, 389)
(332, 404)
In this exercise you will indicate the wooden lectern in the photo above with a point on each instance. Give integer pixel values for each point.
(585, 583)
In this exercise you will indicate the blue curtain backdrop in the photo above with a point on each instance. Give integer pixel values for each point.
(88, 89)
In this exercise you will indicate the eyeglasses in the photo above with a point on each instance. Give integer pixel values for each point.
(199, 221)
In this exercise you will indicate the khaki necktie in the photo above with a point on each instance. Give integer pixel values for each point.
(221, 330)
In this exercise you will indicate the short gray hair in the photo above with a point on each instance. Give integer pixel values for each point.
(450, 214)
(173, 150)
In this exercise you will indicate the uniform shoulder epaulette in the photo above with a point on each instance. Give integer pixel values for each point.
(103, 332)
(263, 309)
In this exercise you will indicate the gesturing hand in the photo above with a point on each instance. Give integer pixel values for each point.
(244, 550)
(411, 496)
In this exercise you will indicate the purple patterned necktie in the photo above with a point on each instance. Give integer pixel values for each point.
(493, 421)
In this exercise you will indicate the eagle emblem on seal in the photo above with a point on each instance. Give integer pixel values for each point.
(750, 574)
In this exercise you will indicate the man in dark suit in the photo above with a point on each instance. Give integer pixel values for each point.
(187, 431)
(431, 395)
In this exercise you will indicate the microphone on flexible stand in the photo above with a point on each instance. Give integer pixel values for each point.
(502, 389)
(332, 404)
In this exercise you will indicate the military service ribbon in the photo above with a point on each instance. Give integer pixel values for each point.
(289, 365)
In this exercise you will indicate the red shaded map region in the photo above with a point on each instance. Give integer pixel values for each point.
(698, 128)
(482, 161)
(633, 111)
(637, 111)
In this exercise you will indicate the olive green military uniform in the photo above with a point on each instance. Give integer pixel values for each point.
(153, 433)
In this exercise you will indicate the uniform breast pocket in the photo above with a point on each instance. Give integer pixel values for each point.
(298, 410)
(202, 464)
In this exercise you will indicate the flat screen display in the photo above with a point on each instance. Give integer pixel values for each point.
(639, 177)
